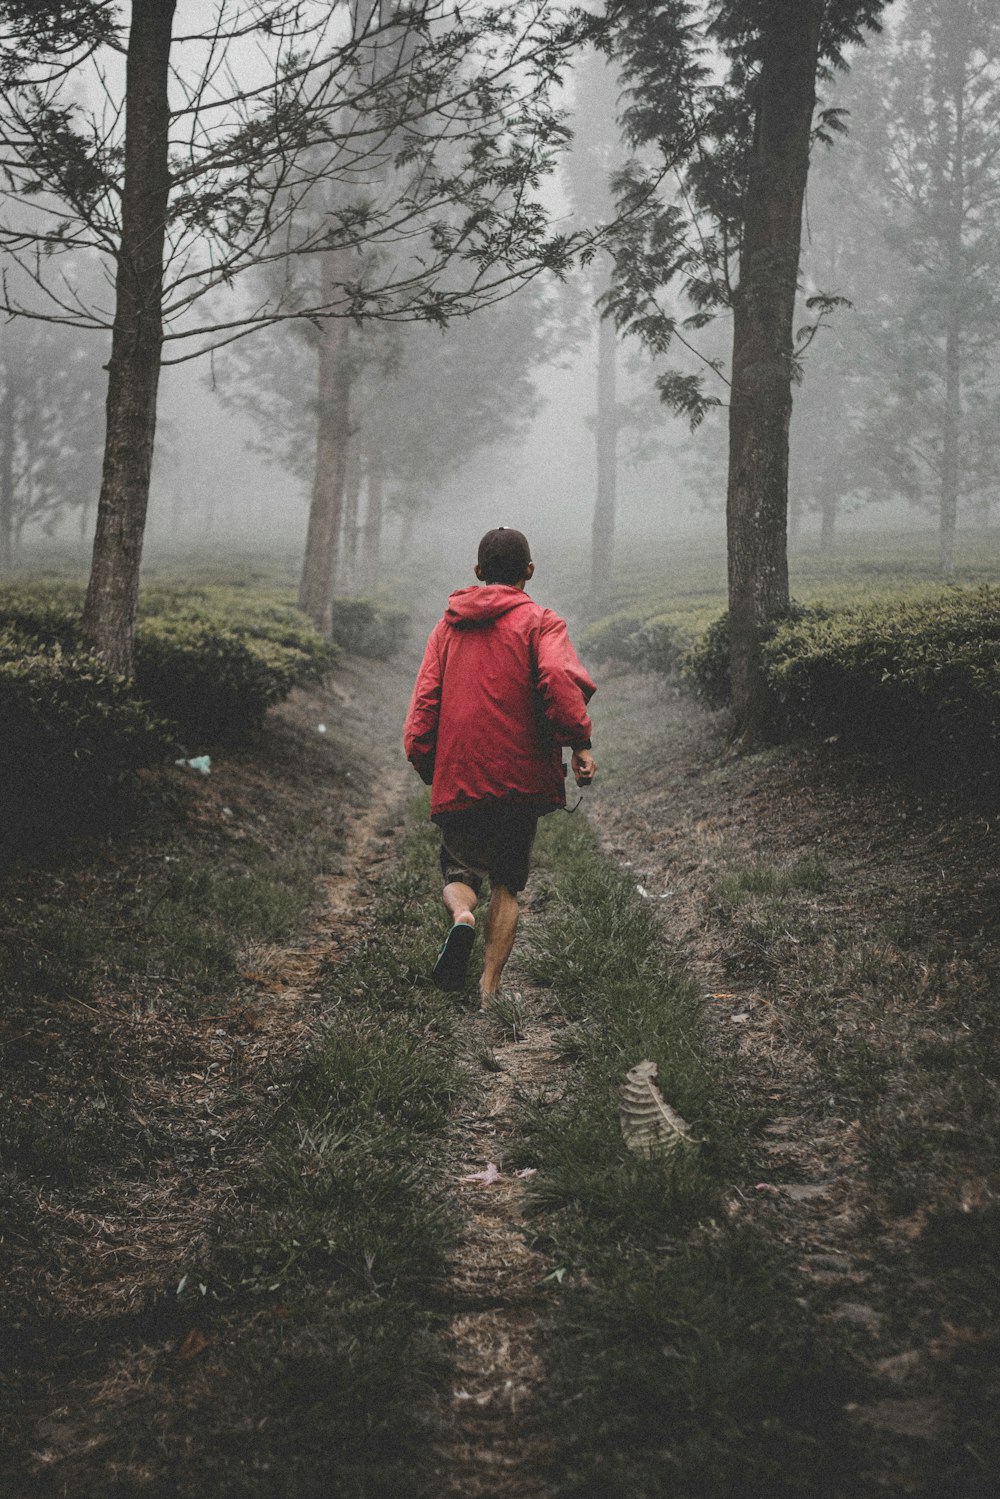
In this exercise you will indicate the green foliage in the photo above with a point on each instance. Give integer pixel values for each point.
(706, 669)
(215, 659)
(212, 661)
(917, 675)
(919, 679)
(209, 664)
(72, 733)
(366, 627)
(217, 681)
(640, 644)
(48, 612)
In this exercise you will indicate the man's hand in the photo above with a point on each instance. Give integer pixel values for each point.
(584, 767)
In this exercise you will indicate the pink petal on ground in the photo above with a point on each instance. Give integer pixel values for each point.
(766, 1187)
(487, 1177)
(527, 1171)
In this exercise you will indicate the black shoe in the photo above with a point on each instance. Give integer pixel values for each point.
(453, 959)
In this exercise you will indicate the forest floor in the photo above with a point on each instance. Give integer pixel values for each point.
(843, 929)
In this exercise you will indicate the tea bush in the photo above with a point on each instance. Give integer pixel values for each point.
(72, 733)
(920, 678)
(217, 681)
(366, 627)
(706, 665)
(212, 661)
(641, 644)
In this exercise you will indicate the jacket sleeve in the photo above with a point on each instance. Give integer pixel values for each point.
(564, 686)
(421, 725)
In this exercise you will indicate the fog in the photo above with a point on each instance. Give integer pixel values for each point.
(498, 418)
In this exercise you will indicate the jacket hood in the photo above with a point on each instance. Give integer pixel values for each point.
(478, 605)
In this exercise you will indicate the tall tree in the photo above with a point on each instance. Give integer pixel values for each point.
(424, 400)
(459, 103)
(942, 185)
(596, 155)
(904, 216)
(50, 446)
(786, 45)
(728, 238)
(136, 340)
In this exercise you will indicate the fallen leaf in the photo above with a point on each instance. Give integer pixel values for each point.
(649, 1125)
(487, 1177)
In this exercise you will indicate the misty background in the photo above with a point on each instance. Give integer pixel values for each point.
(517, 443)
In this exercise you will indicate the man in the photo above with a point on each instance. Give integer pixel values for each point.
(500, 691)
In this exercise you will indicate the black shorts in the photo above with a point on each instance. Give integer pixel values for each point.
(491, 838)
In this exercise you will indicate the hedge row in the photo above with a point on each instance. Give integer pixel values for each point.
(919, 679)
(916, 676)
(638, 643)
(72, 733)
(367, 627)
(209, 664)
(216, 679)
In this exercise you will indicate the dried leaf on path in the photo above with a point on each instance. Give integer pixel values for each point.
(487, 1177)
(649, 1124)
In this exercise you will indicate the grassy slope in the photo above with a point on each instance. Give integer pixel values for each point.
(685, 584)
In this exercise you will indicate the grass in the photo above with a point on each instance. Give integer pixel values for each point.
(184, 922)
(662, 575)
(507, 1013)
(343, 1228)
(738, 885)
(682, 583)
(678, 1359)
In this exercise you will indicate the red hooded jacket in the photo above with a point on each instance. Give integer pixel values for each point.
(499, 690)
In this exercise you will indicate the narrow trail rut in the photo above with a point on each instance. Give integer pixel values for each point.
(496, 1283)
(496, 1295)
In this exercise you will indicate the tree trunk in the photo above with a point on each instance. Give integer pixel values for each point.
(950, 447)
(374, 511)
(406, 525)
(828, 518)
(8, 426)
(952, 424)
(333, 432)
(606, 434)
(763, 322)
(347, 569)
(136, 342)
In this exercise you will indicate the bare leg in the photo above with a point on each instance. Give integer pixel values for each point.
(461, 901)
(501, 929)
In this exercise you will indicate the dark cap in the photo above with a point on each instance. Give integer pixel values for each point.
(504, 556)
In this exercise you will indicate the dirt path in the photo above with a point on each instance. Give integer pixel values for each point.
(495, 1440)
